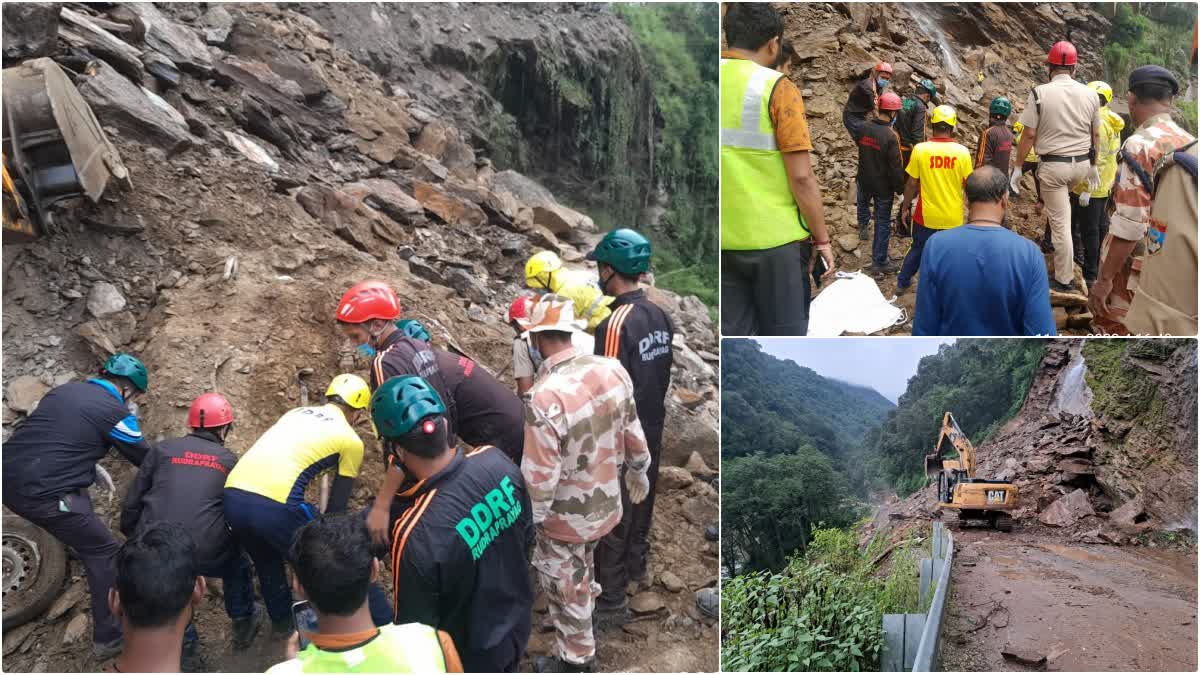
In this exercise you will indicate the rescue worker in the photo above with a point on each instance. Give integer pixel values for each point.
(1089, 212)
(581, 435)
(526, 360)
(639, 334)
(414, 329)
(1062, 124)
(1133, 234)
(996, 141)
(1165, 302)
(880, 179)
(182, 481)
(459, 550)
(50, 460)
(772, 216)
(936, 172)
(787, 54)
(1029, 166)
(545, 273)
(862, 99)
(264, 494)
(914, 116)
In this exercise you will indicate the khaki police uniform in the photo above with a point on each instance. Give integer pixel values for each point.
(1064, 112)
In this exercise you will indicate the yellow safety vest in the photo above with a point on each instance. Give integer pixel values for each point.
(757, 208)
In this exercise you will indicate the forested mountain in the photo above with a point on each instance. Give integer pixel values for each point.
(773, 406)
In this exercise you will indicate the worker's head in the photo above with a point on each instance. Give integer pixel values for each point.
(158, 584)
(414, 329)
(883, 75)
(540, 270)
(926, 91)
(787, 55)
(889, 106)
(411, 418)
(1061, 59)
(127, 374)
(622, 257)
(517, 311)
(943, 120)
(350, 393)
(756, 28)
(987, 193)
(366, 315)
(999, 109)
(1151, 91)
(1103, 90)
(212, 413)
(550, 324)
(332, 564)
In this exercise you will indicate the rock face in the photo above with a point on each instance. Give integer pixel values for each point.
(30, 29)
(122, 104)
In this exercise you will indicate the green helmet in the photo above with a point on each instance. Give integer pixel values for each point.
(414, 329)
(124, 365)
(401, 403)
(1000, 106)
(927, 85)
(625, 250)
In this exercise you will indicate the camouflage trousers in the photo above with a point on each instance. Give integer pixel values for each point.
(566, 572)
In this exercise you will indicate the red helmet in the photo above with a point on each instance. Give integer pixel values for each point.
(889, 101)
(884, 67)
(368, 300)
(209, 410)
(1062, 54)
(519, 309)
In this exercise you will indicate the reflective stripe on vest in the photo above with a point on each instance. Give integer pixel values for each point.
(757, 208)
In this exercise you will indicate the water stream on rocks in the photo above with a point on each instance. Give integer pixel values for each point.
(1074, 395)
(928, 22)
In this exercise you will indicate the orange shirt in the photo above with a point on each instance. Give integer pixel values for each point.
(787, 114)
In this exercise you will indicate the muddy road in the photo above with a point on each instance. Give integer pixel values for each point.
(1061, 606)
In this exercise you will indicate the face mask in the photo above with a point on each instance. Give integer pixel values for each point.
(365, 350)
(883, 84)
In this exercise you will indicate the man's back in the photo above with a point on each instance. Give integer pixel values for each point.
(302, 444)
(403, 648)
(403, 355)
(979, 280)
(1064, 112)
(995, 147)
(941, 165)
(910, 121)
(56, 448)
(488, 412)
(182, 481)
(879, 169)
(639, 335)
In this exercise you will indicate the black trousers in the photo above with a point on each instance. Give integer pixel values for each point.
(1089, 224)
(766, 292)
(621, 554)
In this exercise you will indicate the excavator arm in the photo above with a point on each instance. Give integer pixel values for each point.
(953, 436)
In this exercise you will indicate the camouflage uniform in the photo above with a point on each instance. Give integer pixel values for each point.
(1155, 139)
(581, 425)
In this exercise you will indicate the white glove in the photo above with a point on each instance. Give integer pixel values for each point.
(638, 484)
(1093, 179)
(1085, 198)
(1014, 182)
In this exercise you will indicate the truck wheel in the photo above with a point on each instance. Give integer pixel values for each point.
(1004, 523)
(35, 566)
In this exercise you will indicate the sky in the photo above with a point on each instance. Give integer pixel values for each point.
(884, 364)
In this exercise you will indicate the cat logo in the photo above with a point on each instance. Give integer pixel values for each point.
(996, 496)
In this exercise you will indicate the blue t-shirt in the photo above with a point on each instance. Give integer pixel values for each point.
(979, 280)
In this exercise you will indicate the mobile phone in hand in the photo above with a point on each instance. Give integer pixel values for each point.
(819, 268)
(305, 619)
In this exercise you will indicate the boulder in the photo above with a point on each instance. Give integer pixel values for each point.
(217, 23)
(386, 196)
(263, 76)
(82, 31)
(1025, 656)
(76, 628)
(698, 467)
(106, 336)
(646, 603)
(467, 285)
(105, 299)
(701, 511)
(251, 151)
(561, 220)
(690, 399)
(175, 41)
(1066, 510)
(119, 103)
(848, 242)
(448, 208)
(1131, 516)
(246, 40)
(674, 477)
(672, 582)
(24, 392)
(524, 189)
(71, 597)
(30, 29)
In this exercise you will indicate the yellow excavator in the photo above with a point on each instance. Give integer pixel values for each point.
(54, 148)
(978, 499)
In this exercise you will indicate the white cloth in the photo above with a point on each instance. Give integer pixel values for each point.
(851, 304)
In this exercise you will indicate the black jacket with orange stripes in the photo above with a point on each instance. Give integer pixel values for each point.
(638, 333)
(461, 555)
(402, 355)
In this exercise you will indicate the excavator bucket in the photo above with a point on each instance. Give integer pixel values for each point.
(54, 147)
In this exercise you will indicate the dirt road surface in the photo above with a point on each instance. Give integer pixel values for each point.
(1054, 605)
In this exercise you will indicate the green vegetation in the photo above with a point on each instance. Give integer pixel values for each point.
(1151, 33)
(823, 611)
(1119, 389)
(676, 41)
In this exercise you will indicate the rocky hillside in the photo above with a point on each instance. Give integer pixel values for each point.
(272, 168)
(1104, 448)
(972, 51)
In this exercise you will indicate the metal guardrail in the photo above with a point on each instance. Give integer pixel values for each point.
(911, 640)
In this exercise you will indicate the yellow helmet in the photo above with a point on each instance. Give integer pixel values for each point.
(1103, 89)
(350, 388)
(944, 113)
(1018, 127)
(539, 268)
